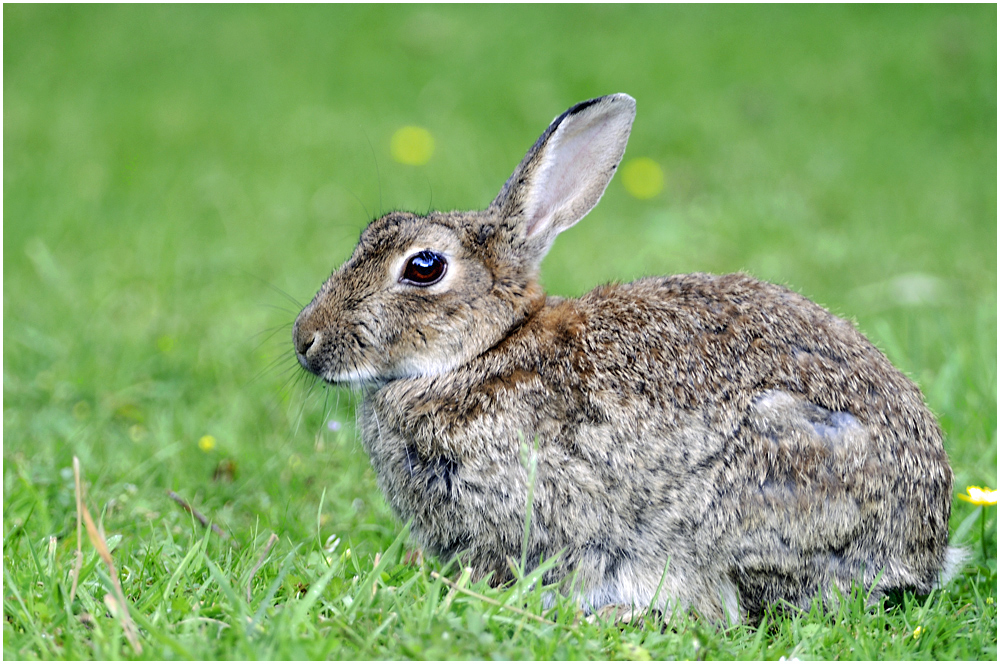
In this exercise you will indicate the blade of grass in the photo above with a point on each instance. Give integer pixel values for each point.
(34, 557)
(366, 591)
(319, 518)
(227, 589)
(158, 634)
(272, 590)
(99, 541)
(11, 583)
(958, 539)
(193, 552)
(493, 602)
(18, 530)
(312, 596)
(260, 561)
(530, 459)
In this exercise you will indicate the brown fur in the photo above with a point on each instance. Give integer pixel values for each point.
(726, 430)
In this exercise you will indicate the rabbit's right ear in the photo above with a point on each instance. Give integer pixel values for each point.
(567, 170)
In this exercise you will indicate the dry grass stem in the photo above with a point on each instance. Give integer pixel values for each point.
(260, 561)
(78, 564)
(202, 519)
(98, 539)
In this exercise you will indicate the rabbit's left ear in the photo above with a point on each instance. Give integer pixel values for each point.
(566, 172)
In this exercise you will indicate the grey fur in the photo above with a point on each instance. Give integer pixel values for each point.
(727, 430)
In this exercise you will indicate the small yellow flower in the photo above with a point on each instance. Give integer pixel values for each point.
(917, 632)
(206, 443)
(642, 177)
(979, 495)
(412, 146)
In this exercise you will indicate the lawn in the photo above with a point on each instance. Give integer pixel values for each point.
(179, 180)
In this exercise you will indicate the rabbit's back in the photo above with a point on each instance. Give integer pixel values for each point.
(760, 444)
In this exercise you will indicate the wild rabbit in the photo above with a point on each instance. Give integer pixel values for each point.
(723, 434)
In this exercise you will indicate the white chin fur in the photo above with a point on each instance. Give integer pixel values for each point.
(416, 368)
(424, 367)
(354, 377)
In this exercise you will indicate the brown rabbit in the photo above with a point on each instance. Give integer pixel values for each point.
(723, 434)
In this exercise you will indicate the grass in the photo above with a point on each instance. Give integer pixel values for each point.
(171, 173)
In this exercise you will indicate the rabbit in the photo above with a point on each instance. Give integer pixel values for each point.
(709, 443)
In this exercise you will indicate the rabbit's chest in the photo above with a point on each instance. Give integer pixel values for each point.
(472, 453)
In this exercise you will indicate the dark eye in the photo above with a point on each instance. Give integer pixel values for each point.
(424, 269)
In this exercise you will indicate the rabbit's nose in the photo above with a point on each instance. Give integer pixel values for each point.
(305, 341)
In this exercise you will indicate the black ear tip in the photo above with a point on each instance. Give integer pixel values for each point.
(619, 98)
(583, 105)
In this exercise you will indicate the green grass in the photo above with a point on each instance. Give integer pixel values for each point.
(171, 172)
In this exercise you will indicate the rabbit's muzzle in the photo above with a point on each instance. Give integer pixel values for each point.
(308, 342)
(303, 344)
(331, 348)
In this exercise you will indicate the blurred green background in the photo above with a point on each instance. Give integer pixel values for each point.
(170, 172)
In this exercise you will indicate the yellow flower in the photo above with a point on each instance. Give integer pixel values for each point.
(206, 443)
(917, 632)
(412, 146)
(642, 177)
(979, 495)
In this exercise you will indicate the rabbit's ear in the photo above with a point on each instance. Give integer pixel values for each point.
(567, 170)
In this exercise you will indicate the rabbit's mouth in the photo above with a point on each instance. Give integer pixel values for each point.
(356, 378)
(366, 377)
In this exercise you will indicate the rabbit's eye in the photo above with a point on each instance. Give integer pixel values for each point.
(424, 269)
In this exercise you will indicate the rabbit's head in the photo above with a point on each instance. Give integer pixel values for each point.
(424, 294)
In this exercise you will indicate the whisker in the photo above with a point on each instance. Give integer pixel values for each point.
(273, 329)
(272, 365)
(272, 332)
(275, 289)
(302, 408)
(284, 310)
